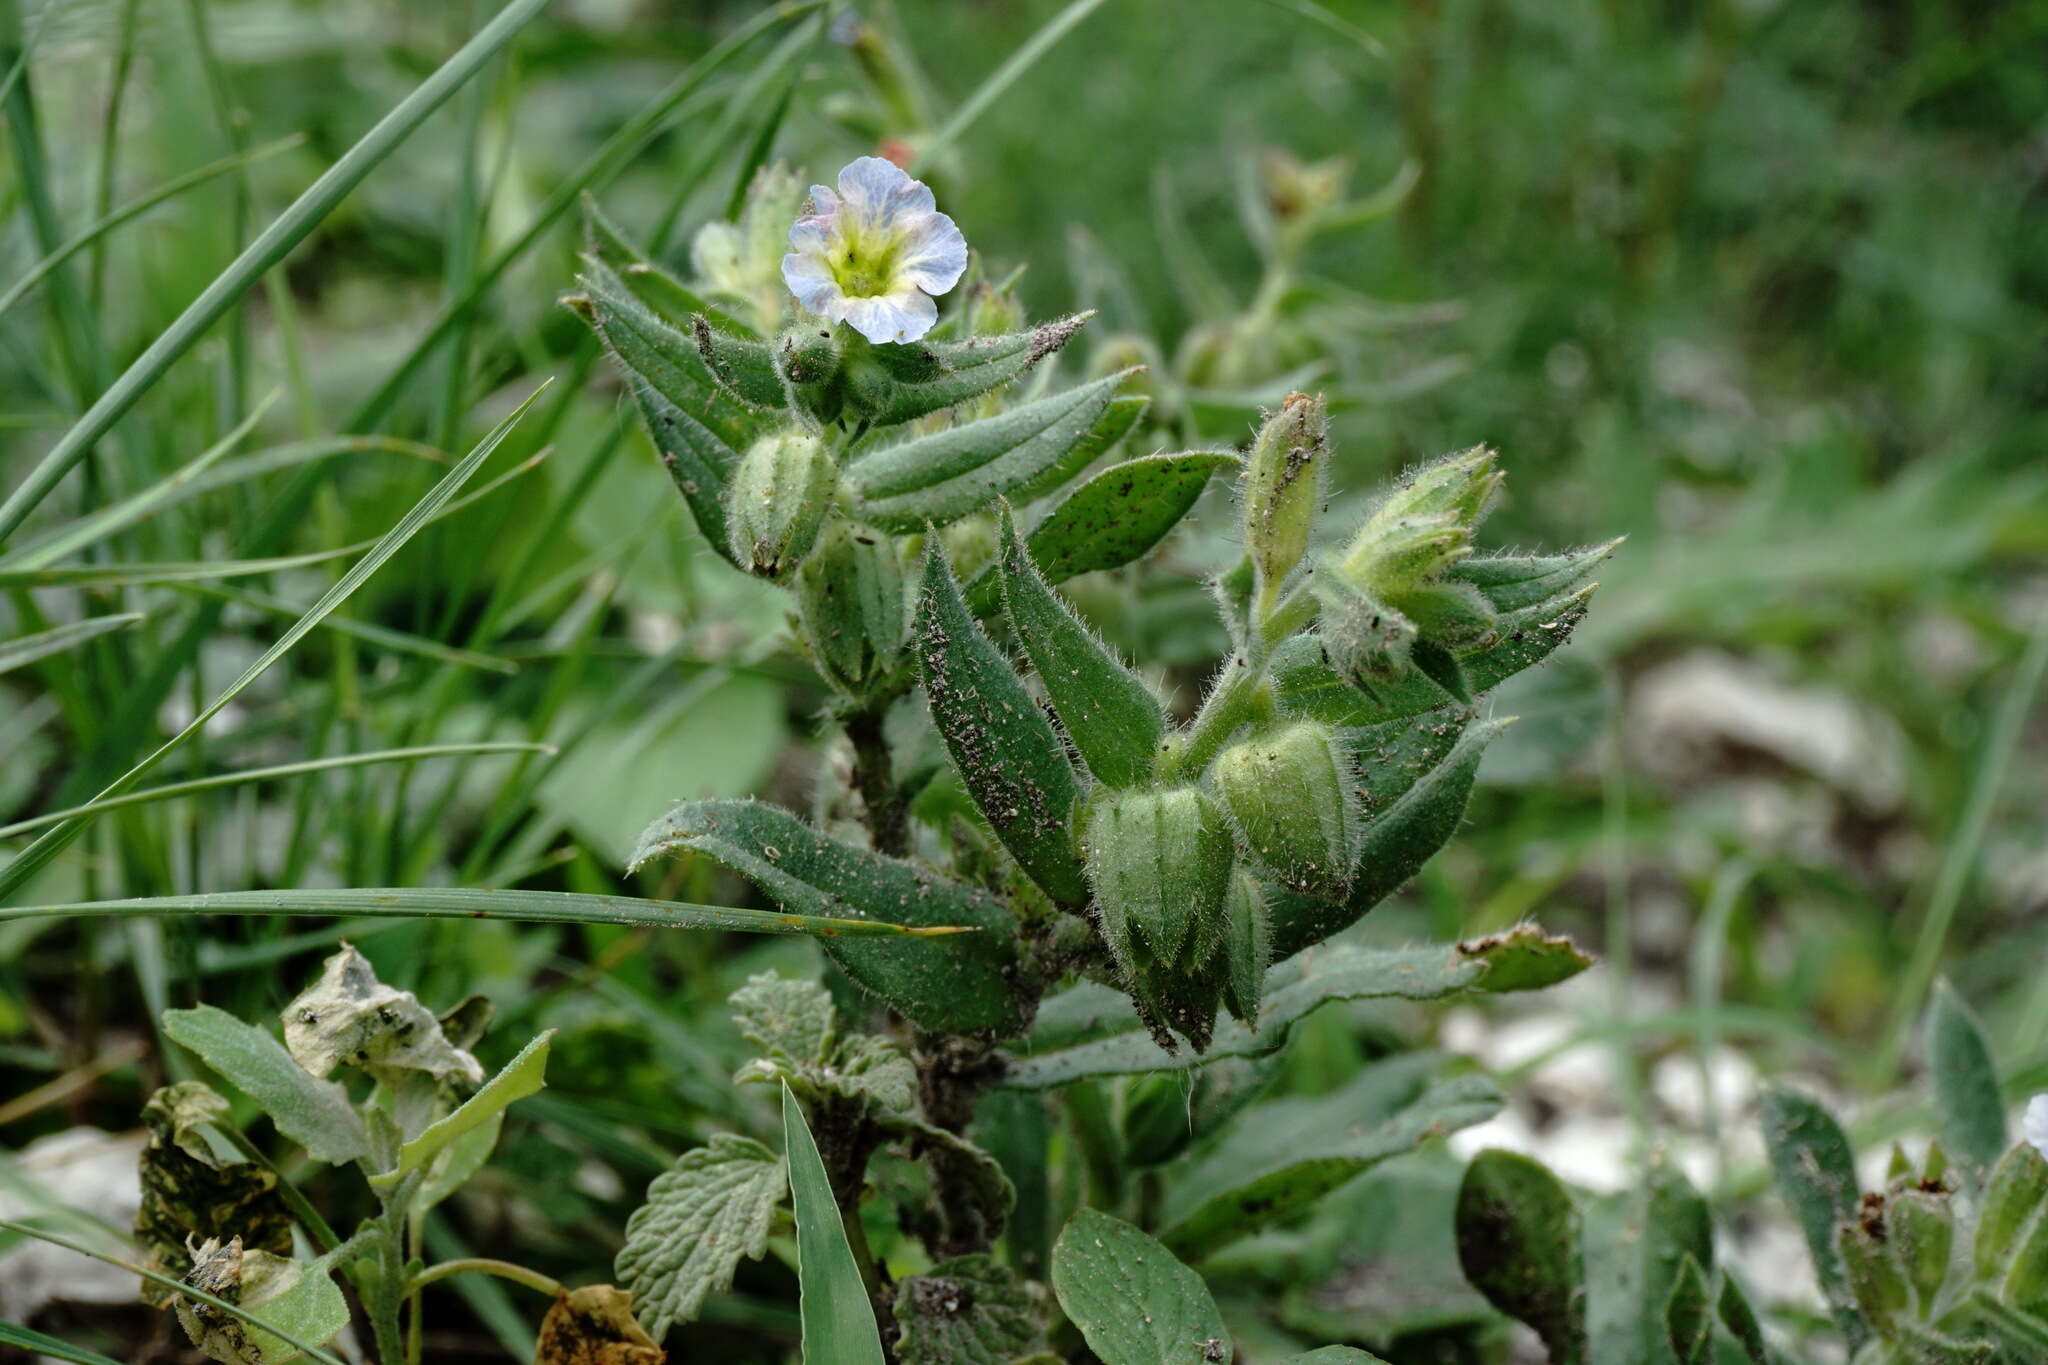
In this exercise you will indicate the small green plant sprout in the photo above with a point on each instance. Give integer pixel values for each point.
(1132, 881)
(365, 1075)
(1946, 1262)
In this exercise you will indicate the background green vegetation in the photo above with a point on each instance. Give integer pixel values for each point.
(1762, 285)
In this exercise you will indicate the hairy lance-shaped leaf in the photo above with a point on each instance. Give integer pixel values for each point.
(957, 983)
(1300, 1150)
(1292, 991)
(1133, 1301)
(1816, 1173)
(520, 1077)
(944, 476)
(702, 1215)
(1416, 785)
(1518, 1244)
(647, 279)
(1108, 711)
(1689, 1316)
(970, 1310)
(314, 1113)
(1741, 1321)
(744, 366)
(698, 428)
(1635, 1242)
(1111, 520)
(1010, 759)
(832, 1301)
(1967, 1096)
(930, 376)
(1116, 422)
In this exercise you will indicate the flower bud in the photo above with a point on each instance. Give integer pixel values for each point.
(742, 260)
(2010, 1253)
(1366, 641)
(1159, 863)
(810, 362)
(776, 501)
(1923, 1232)
(1424, 526)
(853, 608)
(1280, 486)
(1296, 190)
(1292, 794)
(1875, 1276)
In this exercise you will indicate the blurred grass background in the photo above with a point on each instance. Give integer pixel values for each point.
(1762, 285)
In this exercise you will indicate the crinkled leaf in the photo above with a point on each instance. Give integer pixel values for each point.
(702, 1215)
(988, 1196)
(1111, 520)
(191, 1194)
(832, 1301)
(785, 1016)
(314, 1113)
(520, 1077)
(874, 1069)
(1968, 1098)
(955, 983)
(1133, 1301)
(1413, 807)
(1518, 1244)
(1009, 758)
(1109, 711)
(349, 1017)
(594, 1325)
(970, 1310)
(928, 377)
(944, 476)
(1301, 1150)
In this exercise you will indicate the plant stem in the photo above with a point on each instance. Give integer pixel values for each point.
(887, 814)
(485, 1265)
(1238, 697)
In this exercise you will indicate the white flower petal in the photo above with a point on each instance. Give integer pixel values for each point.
(810, 279)
(821, 202)
(878, 190)
(904, 315)
(934, 254)
(2034, 1123)
(812, 235)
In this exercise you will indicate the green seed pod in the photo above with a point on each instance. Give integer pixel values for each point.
(853, 609)
(1875, 1276)
(777, 500)
(1281, 489)
(1923, 1233)
(1292, 794)
(1159, 863)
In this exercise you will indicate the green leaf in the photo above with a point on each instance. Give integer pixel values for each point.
(308, 1306)
(1299, 1151)
(26, 649)
(1109, 712)
(1816, 1172)
(1416, 785)
(1688, 1316)
(315, 1114)
(784, 1016)
(1111, 520)
(1293, 990)
(457, 1162)
(522, 1076)
(471, 903)
(969, 1310)
(1967, 1096)
(1635, 1243)
(1133, 1301)
(956, 982)
(43, 1345)
(743, 366)
(1117, 420)
(2010, 1253)
(1333, 1355)
(988, 1196)
(944, 476)
(838, 1320)
(1009, 758)
(1740, 1319)
(928, 377)
(702, 1216)
(1518, 1244)
(1525, 959)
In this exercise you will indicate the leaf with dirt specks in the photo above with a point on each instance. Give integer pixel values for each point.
(1816, 1173)
(1518, 1244)
(970, 1310)
(1009, 757)
(314, 1113)
(928, 377)
(1133, 1301)
(957, 983)
(702, 1215)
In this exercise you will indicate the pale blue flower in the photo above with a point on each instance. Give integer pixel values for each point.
(874, 253)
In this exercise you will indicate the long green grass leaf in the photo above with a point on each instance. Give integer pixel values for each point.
(28, 648)
(1005, 76)
(839, 1321)
(269, 247)
(536, 907)
(39, 853)
(29, 1340)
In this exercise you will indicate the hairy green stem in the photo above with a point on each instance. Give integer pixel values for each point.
(887, 814)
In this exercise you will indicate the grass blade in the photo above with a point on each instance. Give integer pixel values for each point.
(1003, 77)
(39, 853)
(269, 247)
(838, 1320)
(26, 650)
(41, 1345)
(236, 779)
(446, 902)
